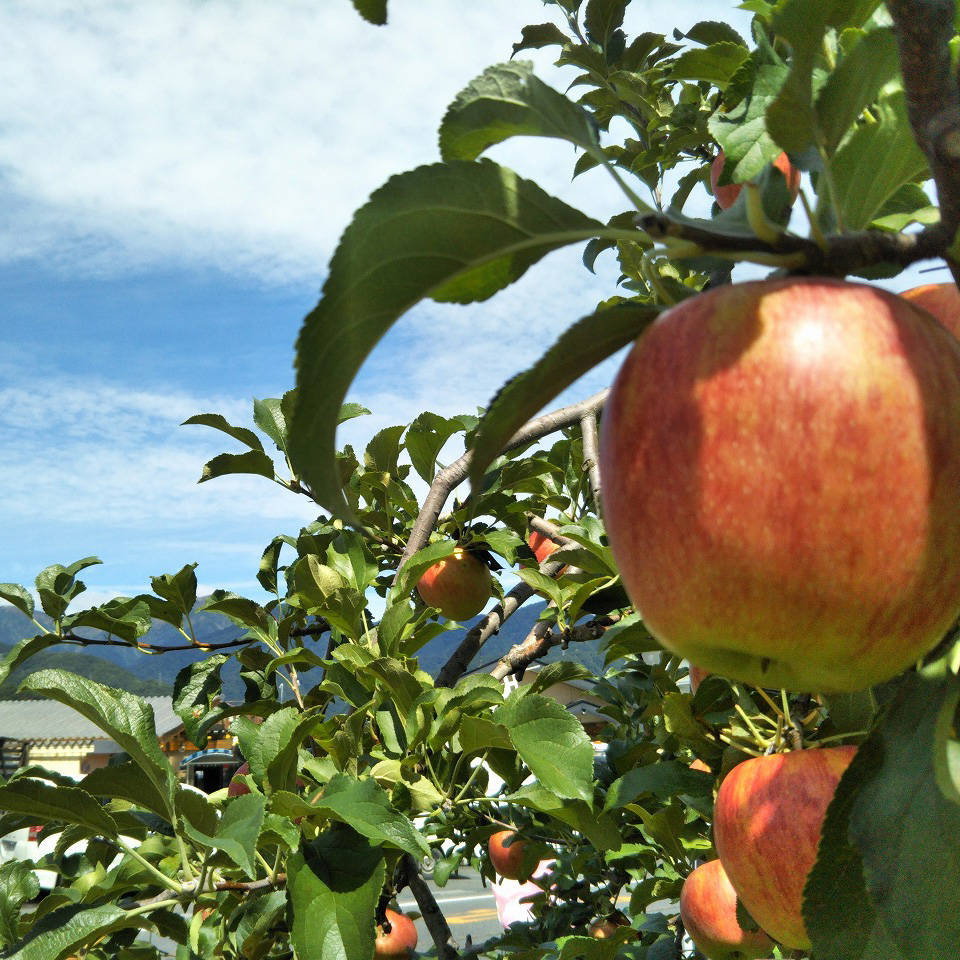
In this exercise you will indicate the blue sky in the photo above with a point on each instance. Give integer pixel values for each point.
(174, 177)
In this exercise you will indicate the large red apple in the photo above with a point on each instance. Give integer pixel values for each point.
(459, 586)
(506, 854)
(697, 676)
(767, 820)
(708, 909)
(781, 467)
(942, 300)
(727, 195)
(397, 943)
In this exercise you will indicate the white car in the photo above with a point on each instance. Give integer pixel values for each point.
(23, 845)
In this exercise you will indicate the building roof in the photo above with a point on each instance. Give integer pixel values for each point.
(42, 720)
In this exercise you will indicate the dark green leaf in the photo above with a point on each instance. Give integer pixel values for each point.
(334, 885)
(254, 461)
(22, 651)
(600, 829)
(126, 781)
(539, 35)
(373, 11)
(194, 689)
(268, 416)
(552, 743)
(48, 802)
(603, 19)
(459, 232)
(126, 718)
(506, 101)
(383, 450)
(124, 617)
(57, 585)
(63, 930)
(713, 31)
(246, 436)
(667, 778)
(238, 831)
(562, 671)
(425, 439)
(349, 411)
(579, 349)
(178, 588)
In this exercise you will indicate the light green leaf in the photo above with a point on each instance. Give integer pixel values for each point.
(552, 743)
(579, 349)
(125, 617)
(23, 650)
(600, 829)
(716, 64)
(874, 163)
(334, 885)
(237, 832)
(855, 84)
(194, 689)
(505, 101)
(458, 232)
(178, 588)
(57, 585)
(126, 718)
(269, 417)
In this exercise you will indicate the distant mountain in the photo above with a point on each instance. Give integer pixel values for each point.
(129, 669)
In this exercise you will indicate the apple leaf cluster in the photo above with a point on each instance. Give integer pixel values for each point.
(372, 773)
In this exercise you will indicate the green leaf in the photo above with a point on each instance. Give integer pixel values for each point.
(855, 84)
(349, 411)
(679, 719)
(840, 916)
(709, 32)
(716, 64)
(274, 757)
(124, 617)
(425, 439)
(603, 19)
(742, 133)
(505, 101)
(254, 461)
(365, 806)
(874, 163)
(19, 596)
(664, 779)
(178, 588)
(334, 885)
(552, 743)
(48, 802)
(383, 450)
(22, 651)
(194, 689)
(579, 349)
(268, 415)
(18, 883)
(126, 718)
(600, 829)
(57, 585)
(907, 831)
(63, 930)
(126, 781)
(539, 35)
(458, 232)
(237, 832)
(246, 436)
(562, 671)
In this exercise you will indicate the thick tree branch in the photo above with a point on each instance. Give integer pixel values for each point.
(840, 255)
(430, 910)
(924, 29)
(454, 474)
(591, 456)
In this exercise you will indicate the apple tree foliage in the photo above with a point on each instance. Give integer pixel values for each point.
(365, 772)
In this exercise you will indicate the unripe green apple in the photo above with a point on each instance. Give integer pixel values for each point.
(708, 909)
(767, 820)
(781, 465)
(459, 586)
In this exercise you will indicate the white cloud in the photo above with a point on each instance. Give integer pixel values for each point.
(241, 136)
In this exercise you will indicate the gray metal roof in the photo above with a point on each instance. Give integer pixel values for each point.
(38, 720)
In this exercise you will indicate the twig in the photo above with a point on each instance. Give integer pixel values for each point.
(455, 473)
(72, 639)
(591, 456)
(430, 910)
(278, 880)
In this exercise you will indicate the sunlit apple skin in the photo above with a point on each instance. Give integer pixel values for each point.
(506, 855)
(697, 675)
(767, 820)
(459, 586)
(942, 300)
(780, 464)
(727, 195)
(708, 909)
(400, 942)
(542, 546)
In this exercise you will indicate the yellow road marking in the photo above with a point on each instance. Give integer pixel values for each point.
(472, 916)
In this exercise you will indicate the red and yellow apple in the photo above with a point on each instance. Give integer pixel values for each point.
(941, 300)
(541, 545)
(459, 586)
(727, 194)
(604, 929)
(767, 820)
(697, 675)
(236, 787)
(780, 464)
(708, 909)
(506, 855)
(399, 941)
(698, 764)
